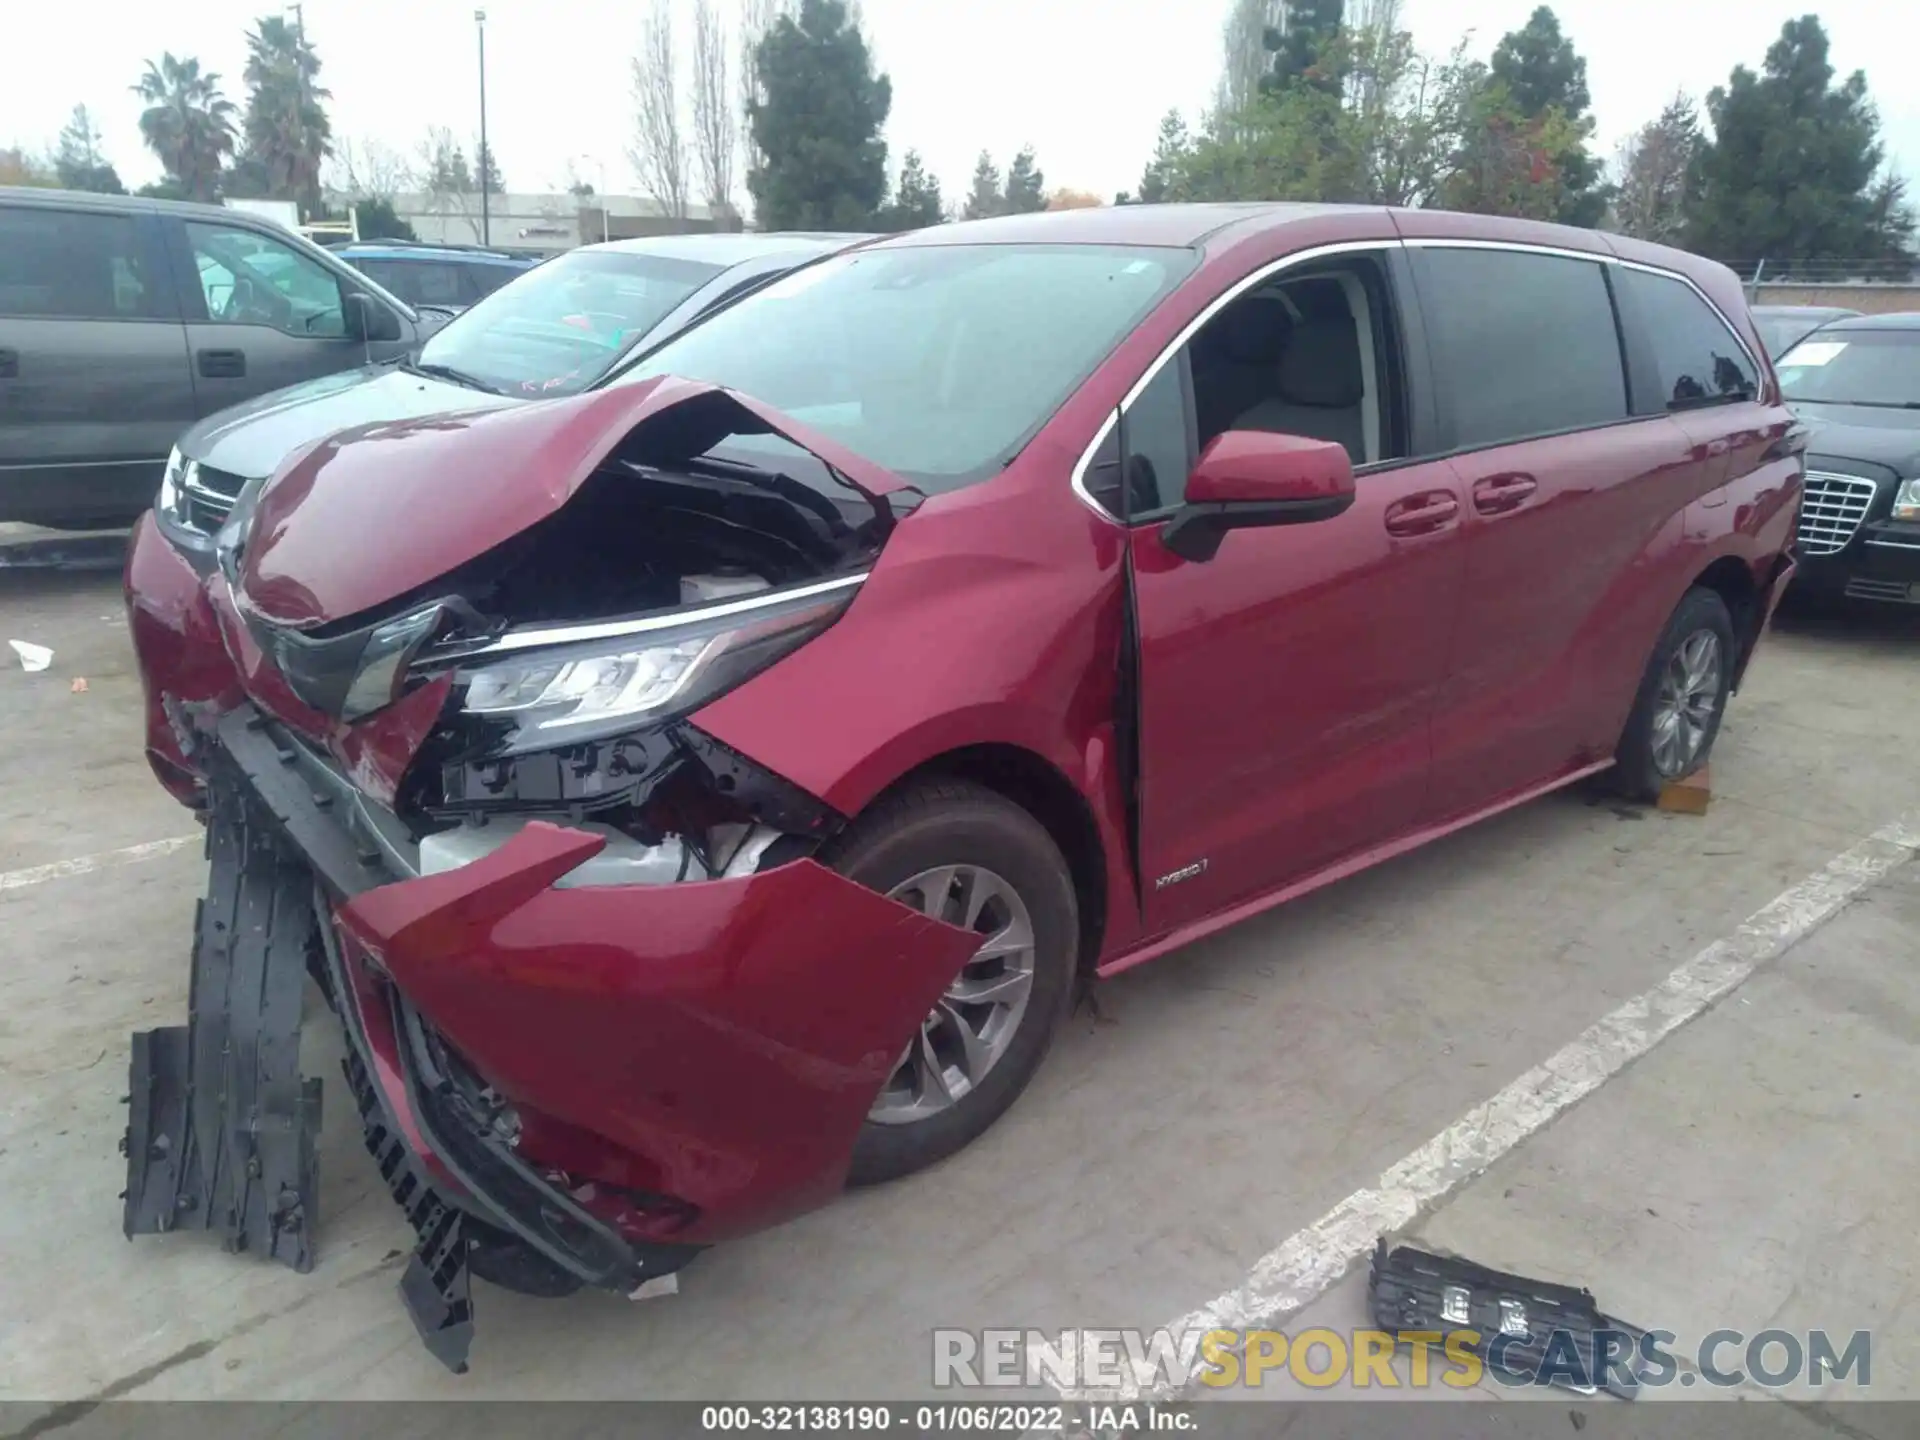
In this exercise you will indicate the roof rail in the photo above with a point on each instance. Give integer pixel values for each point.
(454, 245)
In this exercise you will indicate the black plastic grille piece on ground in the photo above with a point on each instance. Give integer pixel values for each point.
(220, 1134)
(1532, 1332)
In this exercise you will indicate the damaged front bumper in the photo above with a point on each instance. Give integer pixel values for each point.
(561, 1086)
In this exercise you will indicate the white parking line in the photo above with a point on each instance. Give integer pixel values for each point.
(1307, 1264)
(87, 864)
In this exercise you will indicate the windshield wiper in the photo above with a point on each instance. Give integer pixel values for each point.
(1871, 404)
(448, 372)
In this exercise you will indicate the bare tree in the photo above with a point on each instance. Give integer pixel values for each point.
(659, 151)
(1244, 55)
(1654, 170)
(714, 132)
(367, 169)
(448, 182)
(757, 17)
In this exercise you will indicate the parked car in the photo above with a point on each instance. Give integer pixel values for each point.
(563, 327)
(1784, 326)
(124, 320)
(1857, 384)
(443, 277)
(716, 783)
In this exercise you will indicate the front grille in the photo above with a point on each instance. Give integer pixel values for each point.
(1831, 510)
(1899, 592)
(210, 495)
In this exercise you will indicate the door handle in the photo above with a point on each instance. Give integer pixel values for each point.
(9, 364)
(1499, 493)
(1422, 514)
(222, 364)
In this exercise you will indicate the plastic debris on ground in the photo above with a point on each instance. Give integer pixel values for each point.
(33, 658)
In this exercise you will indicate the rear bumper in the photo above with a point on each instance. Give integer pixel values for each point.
(684, 1062)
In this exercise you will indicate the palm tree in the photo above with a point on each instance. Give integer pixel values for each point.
(287, 131)
(188, 123)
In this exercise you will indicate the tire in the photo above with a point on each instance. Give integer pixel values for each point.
(1647, 759)
(1001, 855)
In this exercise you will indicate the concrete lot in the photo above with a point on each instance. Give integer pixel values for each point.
(1755, 1168)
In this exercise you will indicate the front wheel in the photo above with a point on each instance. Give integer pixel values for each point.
(1682, 697)
(970, 857)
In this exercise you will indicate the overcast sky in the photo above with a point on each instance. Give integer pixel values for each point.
(1084, 81)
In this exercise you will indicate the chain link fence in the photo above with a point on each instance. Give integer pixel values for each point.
(1828, 272)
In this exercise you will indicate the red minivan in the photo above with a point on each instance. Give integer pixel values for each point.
(702, 792)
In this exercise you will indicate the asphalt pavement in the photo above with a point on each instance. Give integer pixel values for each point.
(1471, 1041)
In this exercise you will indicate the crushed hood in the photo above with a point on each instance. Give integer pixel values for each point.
(379, 510)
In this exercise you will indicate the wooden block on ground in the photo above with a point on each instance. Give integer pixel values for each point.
(1688, 796)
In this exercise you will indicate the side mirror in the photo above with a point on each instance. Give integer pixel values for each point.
(1247, 478)
(369, 320)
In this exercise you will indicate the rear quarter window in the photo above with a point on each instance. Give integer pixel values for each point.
(75, 265)
(1696, 358)
(1523, 344)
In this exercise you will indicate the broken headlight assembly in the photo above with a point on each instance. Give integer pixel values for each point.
(563, 685)
(172, 500)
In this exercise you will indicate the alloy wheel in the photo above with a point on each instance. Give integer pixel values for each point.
(971, 1026)
(1684, 706)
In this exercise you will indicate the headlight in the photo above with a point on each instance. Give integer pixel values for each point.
(564, 686)
(1906, 501)
(172, 500)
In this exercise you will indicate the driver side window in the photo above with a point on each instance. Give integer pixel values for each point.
(251, 279)
(1304, 353)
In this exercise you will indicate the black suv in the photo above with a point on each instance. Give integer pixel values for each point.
(430, 276)
(124, 320)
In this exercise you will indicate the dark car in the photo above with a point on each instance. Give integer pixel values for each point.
(441, 277)
(1857, 385)
(1784, 326)
(563, 326)
(124, 320)
(708, 790)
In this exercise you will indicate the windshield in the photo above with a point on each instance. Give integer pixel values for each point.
(936, 361)
(1855, 367)
(557, 328)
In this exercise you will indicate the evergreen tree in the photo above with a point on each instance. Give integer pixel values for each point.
(77, 159)
(1792, 171)
(486, 168)
(1543, 73)
(1172, 143)
(1026, 186)
(916, 200)
(986, 197)
(821, 163)
(1304, 46)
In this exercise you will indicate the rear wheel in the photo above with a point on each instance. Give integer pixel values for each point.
(969, 857)
(1683, 696)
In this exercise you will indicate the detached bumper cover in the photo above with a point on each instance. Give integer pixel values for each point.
(682, 1062)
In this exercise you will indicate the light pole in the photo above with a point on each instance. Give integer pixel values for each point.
(486, 221)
